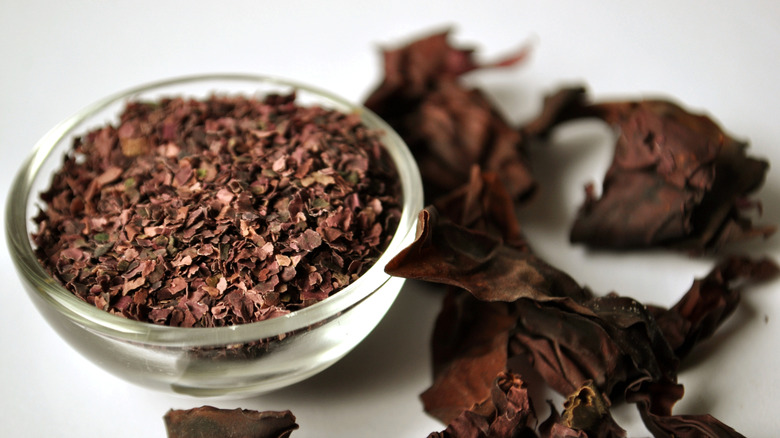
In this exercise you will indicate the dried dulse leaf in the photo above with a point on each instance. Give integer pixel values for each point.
(676, 179)
(211, 422)
(469, 340)
(586, 414)
(499, 274)
(570, 336)
(611, 341)
(556, 108)
(218, 212)
(508, 412)
(448, 126)
(479, 263)
(586, 410)
(478, 245)
(655, 401)
(709, 302)
(469, 350)
(483, 204)
(514, 412)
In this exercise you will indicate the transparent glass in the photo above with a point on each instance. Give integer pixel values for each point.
(227, 362)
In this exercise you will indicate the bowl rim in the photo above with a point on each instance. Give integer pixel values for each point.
(40, 283)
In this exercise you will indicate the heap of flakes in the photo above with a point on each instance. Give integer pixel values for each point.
(220, 211)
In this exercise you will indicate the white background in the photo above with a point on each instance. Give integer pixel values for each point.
(715, 56)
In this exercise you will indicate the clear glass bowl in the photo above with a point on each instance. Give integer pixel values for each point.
(234, 361)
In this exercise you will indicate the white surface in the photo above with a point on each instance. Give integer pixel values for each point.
(720, 56)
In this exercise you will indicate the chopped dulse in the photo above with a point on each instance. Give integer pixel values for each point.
(222, 211)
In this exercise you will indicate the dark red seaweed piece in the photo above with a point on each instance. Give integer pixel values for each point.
(507, 412)
(709, 301)
(211, 422)
(586, 414)
(469, 349)
(480, 263)
(655, 400)
(448, 126)
(677, 179)
(616, 344)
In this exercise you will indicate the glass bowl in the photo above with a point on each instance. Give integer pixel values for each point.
(225, 362)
